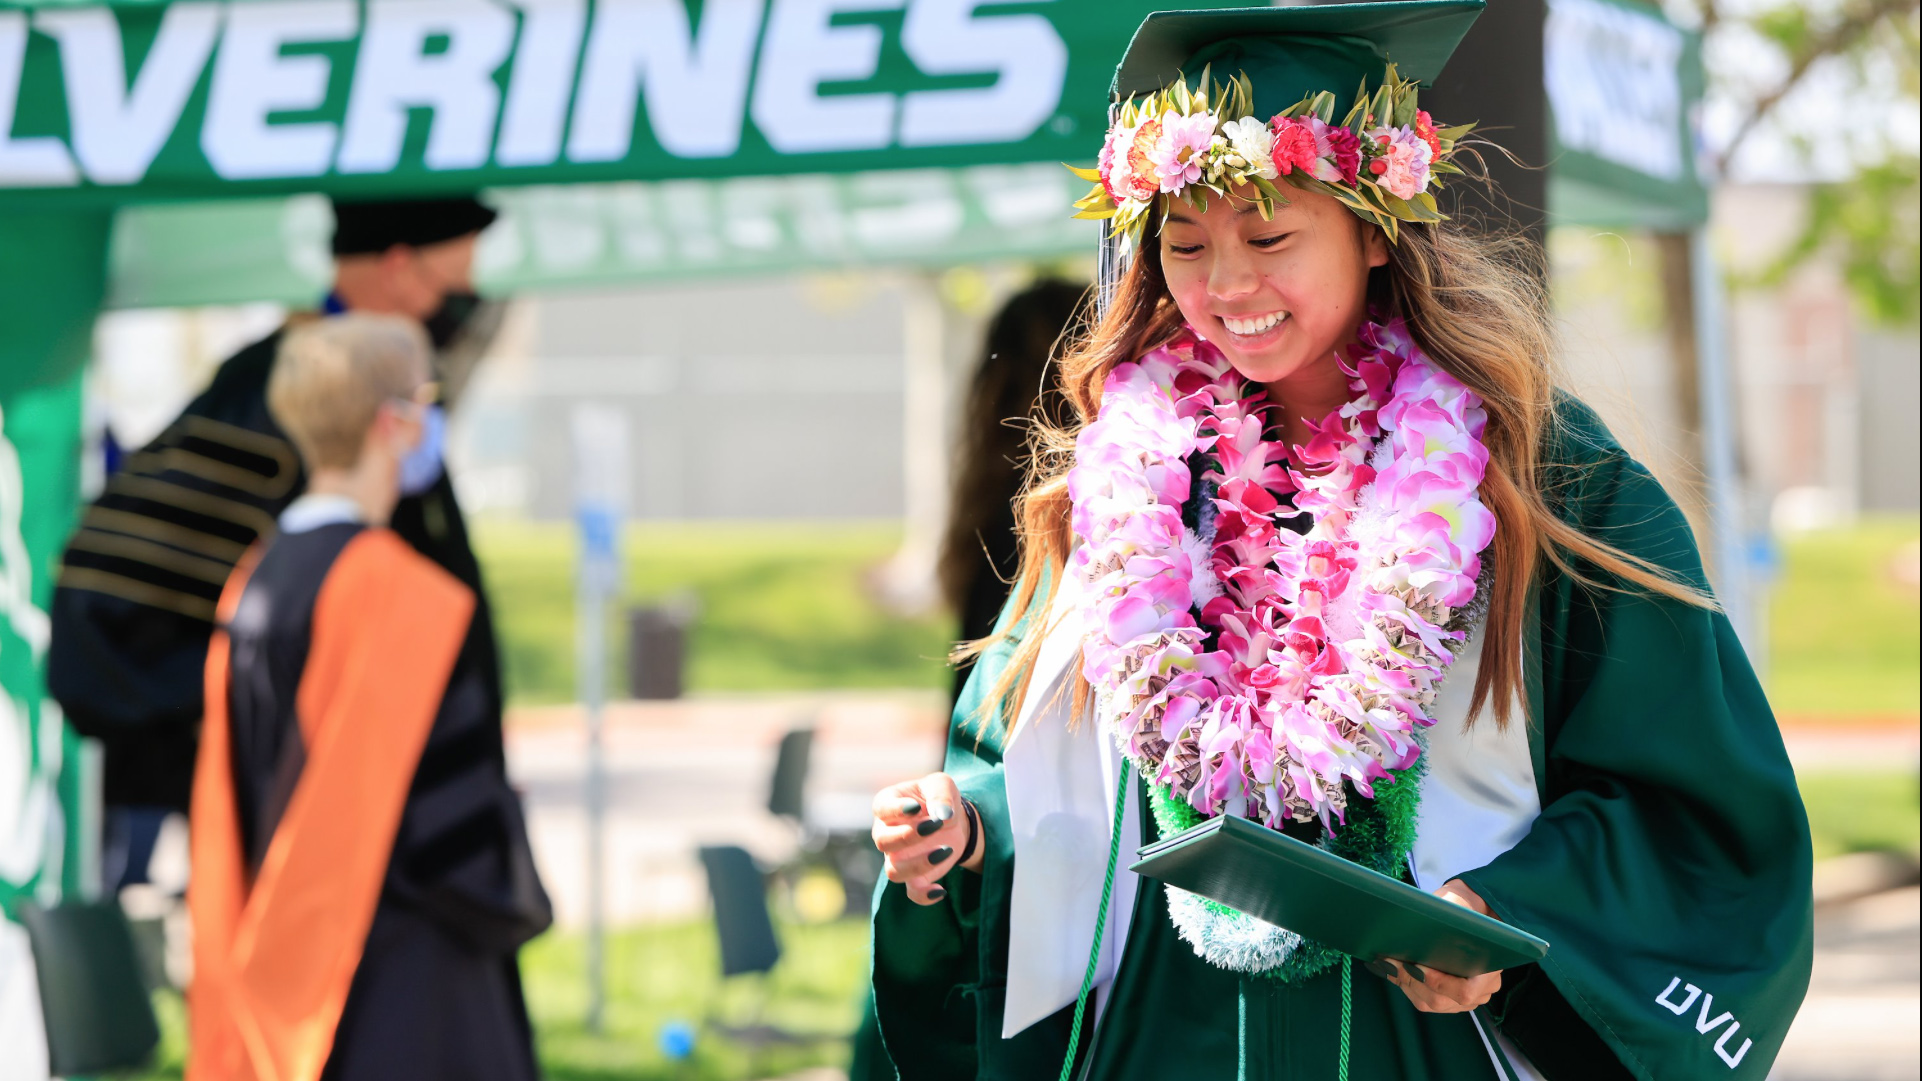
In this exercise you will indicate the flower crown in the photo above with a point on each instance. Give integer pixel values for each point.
(1381, 161)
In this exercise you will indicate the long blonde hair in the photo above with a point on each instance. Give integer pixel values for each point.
(1477, 306)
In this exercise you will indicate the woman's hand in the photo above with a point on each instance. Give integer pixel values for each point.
(1438, 992)
(921, 826)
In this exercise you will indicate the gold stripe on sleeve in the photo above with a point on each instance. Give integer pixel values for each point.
(179, 495)
(141, 550)
(205, 545)
(114, 585)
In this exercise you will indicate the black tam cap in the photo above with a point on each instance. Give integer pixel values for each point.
(365, 228)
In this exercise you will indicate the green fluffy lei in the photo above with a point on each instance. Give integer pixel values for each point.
(1379, 835)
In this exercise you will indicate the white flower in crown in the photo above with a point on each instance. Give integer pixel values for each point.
(1250, 141)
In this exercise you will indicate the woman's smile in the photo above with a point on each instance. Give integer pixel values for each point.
(1254, 332)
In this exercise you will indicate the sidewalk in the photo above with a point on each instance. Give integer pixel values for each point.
(696, 771)
(1860, 1022)
(1889, 744)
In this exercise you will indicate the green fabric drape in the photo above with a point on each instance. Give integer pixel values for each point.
(1672, 844)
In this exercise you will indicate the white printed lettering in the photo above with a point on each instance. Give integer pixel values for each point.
(537, 92)
(394, 73)
(1705, 1024)
(696, 81)
(120, 124)
(1680, 1008)
(1702, 1023)
(38, 160)
(1027, 56)
(1721, 1047)
(252, 80)
(801, 52)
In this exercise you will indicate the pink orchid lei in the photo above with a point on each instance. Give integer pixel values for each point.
(1248, 668)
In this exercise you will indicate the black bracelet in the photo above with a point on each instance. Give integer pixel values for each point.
(974, 832)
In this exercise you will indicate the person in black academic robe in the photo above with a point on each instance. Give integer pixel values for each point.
(352, 814)
(134, 603)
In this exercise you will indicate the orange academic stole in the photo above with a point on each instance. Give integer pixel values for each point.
(273, 959)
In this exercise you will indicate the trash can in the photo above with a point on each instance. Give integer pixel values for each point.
(656, 651)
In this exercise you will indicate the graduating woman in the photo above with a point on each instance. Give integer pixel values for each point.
(1329, 552)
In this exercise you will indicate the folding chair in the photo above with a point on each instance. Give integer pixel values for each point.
(92, 991)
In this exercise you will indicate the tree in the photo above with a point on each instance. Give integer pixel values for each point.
(1864, 207)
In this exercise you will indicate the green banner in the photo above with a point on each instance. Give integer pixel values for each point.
(602, 234)
(1624, 93)
(41, 850)
(197, 100)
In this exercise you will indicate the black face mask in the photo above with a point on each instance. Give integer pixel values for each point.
(445, 324)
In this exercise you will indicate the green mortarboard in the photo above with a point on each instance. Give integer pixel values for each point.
(1289, 53)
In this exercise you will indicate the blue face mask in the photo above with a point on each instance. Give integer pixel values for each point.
(422, 466)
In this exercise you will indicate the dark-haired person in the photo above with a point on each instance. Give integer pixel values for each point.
(1333, 556)
(134, 603)
(1016, 383)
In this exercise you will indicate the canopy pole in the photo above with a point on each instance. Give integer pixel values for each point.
(908, 580)
(1727, 523)
(600, 476)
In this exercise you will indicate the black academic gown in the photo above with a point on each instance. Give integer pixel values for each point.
(134, 604)
(437, 991)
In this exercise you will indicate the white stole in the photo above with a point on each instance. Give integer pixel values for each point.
(1061, 797)
(1478, 796)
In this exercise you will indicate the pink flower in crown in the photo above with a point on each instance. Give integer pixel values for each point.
(1112, 163)
(1295, 145)
(1143, 179)
(1405, 158)
(1336, 152)
(1178, 152)
(1343, 151)
(1425, 130)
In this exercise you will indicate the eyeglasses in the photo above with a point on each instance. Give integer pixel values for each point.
(423, 396)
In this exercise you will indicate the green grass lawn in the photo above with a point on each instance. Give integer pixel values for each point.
(657, 975)
(782, 606)
(1845, 636)
(1863, 812)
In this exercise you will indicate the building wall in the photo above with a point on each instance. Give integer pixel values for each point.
(777, 398)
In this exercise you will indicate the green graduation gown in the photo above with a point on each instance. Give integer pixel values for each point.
(1669, 869)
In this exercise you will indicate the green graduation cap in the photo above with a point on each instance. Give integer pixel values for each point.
(1239, 101)
(1289, 53)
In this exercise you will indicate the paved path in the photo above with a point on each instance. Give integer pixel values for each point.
(1838, 746)
(1860, 1022)
(684, 774)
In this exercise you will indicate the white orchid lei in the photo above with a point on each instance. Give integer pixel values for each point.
(1249, 669)
(1381, 161)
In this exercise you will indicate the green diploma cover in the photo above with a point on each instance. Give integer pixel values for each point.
(1321, 896)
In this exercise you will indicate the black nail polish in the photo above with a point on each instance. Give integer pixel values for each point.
(911, 807)
(1415, 973)
(940, 855)
(936, 893)
(927, 826)
(1384, 969)
(940, 812)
